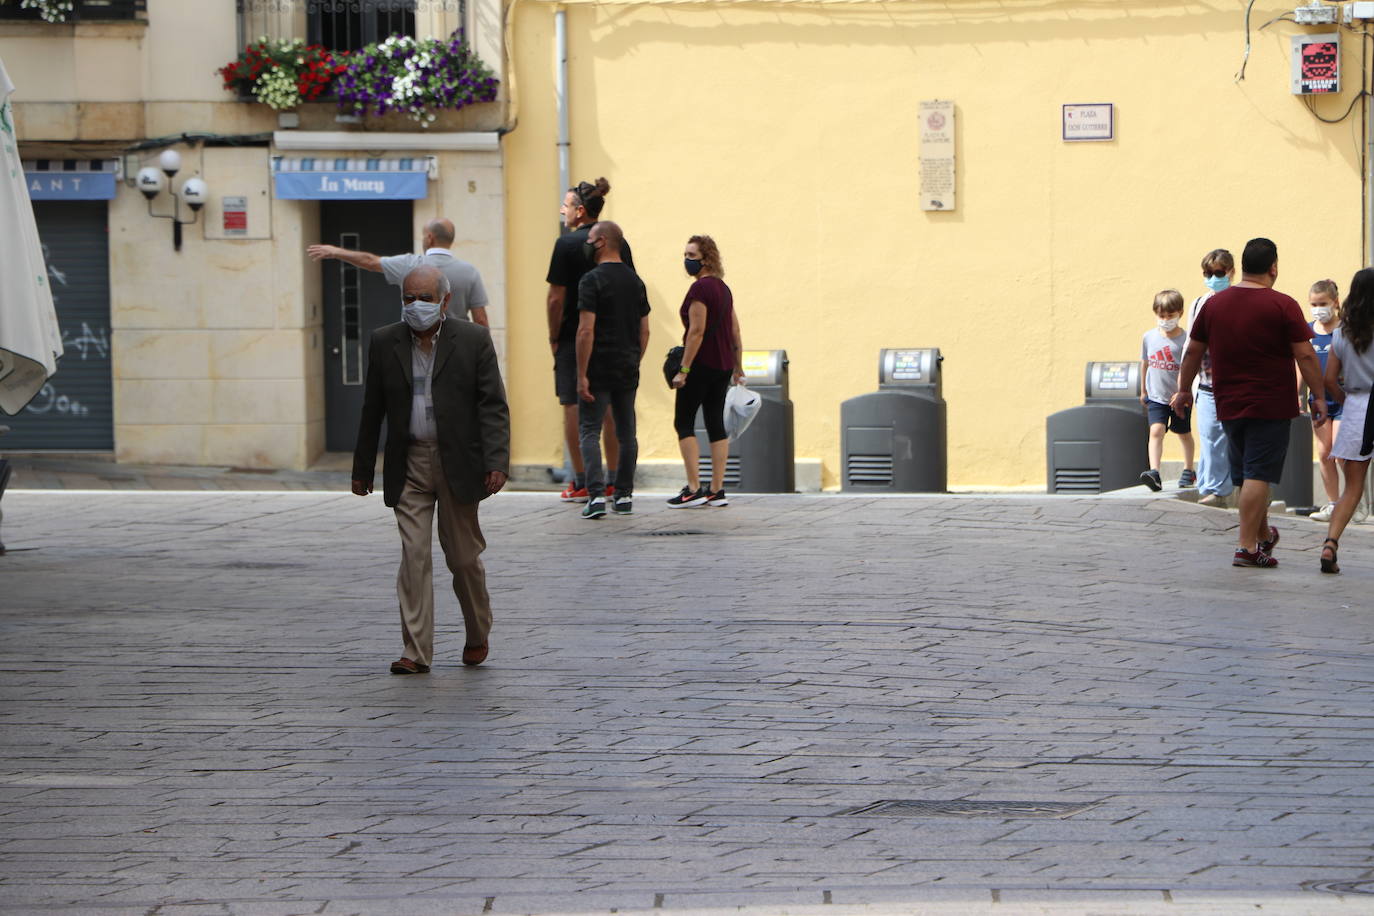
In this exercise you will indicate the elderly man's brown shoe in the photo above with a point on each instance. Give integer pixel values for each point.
(474, 655)
(408, 666)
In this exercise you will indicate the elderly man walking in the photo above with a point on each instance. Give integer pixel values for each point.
(1253, 334)
(437, 385)
(469, 295)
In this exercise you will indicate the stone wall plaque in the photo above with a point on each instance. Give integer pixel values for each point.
(937, 155)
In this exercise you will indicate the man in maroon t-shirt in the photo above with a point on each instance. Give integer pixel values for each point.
(1253, 334)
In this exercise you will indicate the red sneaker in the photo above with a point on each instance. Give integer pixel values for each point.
(573, 494)
(1267, 547)
(1258, 558)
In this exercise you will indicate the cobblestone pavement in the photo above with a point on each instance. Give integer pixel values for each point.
(1083, 705)
(75, 471)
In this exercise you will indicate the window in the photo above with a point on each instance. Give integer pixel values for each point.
(84, 11)
(346, 25)
(341, 25)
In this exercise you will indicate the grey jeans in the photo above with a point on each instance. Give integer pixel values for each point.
(590, 415)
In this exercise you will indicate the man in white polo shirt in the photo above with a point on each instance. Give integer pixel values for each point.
(469, 296)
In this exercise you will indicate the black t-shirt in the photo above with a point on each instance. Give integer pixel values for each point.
(566, 268)
(616, 295)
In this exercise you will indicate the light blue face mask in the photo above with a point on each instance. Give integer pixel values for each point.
(1217, 284)
(421, 315)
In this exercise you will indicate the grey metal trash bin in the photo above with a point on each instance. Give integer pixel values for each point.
(762, 459)
(1295, 485)
(894, 440)
(1104, 444)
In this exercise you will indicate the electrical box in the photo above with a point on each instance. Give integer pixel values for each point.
(1316, 13)
(1316, 64)
(1355, 11)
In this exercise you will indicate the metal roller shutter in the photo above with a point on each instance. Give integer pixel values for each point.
(74, 411)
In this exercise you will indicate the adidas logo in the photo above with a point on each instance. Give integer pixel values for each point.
(1164, 359)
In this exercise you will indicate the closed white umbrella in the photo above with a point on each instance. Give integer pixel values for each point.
(30, 340)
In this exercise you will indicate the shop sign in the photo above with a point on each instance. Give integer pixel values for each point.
(70, 185)
(351, 185)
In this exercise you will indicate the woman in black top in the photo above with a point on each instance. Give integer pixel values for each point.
(711, 359)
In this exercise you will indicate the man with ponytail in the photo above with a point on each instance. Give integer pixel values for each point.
(581, 208)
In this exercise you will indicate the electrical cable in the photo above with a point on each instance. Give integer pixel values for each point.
(1281, 17)
(1311, 104)
(194, 136)
(1240, 74)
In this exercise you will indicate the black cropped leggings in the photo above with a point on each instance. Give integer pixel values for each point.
(705, 389)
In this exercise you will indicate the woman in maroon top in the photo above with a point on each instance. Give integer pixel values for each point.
(711, 358)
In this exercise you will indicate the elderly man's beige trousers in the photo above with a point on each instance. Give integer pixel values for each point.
(460, 536)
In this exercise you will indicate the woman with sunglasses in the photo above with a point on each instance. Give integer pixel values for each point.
(1214, 484)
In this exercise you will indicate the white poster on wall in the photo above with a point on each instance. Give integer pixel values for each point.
(937, 155)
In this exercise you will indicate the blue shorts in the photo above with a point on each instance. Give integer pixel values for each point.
(1257, 448)
(1162, 413)
(1333, 409)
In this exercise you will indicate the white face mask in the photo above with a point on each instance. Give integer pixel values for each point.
(1167, 324)
(1322, 314)
(421, 315)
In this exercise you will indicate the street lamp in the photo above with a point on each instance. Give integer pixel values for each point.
(194, 191)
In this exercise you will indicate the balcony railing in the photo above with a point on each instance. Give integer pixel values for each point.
(346, 25)
(83, 11)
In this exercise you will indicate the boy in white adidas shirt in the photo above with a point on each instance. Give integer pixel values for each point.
(1161, 357)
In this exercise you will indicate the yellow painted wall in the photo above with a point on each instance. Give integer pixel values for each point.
(789, 132)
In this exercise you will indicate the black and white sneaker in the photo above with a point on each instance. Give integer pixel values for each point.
(595, 508)
(623, 505)
(717, 498)
(688, 498)
(1152, 480)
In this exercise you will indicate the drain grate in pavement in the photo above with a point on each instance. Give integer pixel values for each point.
(920, 807)
(1341, 887)
(678, 532)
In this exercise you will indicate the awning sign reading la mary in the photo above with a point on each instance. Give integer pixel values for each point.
(351, 179)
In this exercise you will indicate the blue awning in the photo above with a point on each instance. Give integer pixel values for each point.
(70, 179)
(342, 178)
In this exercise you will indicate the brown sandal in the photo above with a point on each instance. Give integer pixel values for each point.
(1330, 566)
